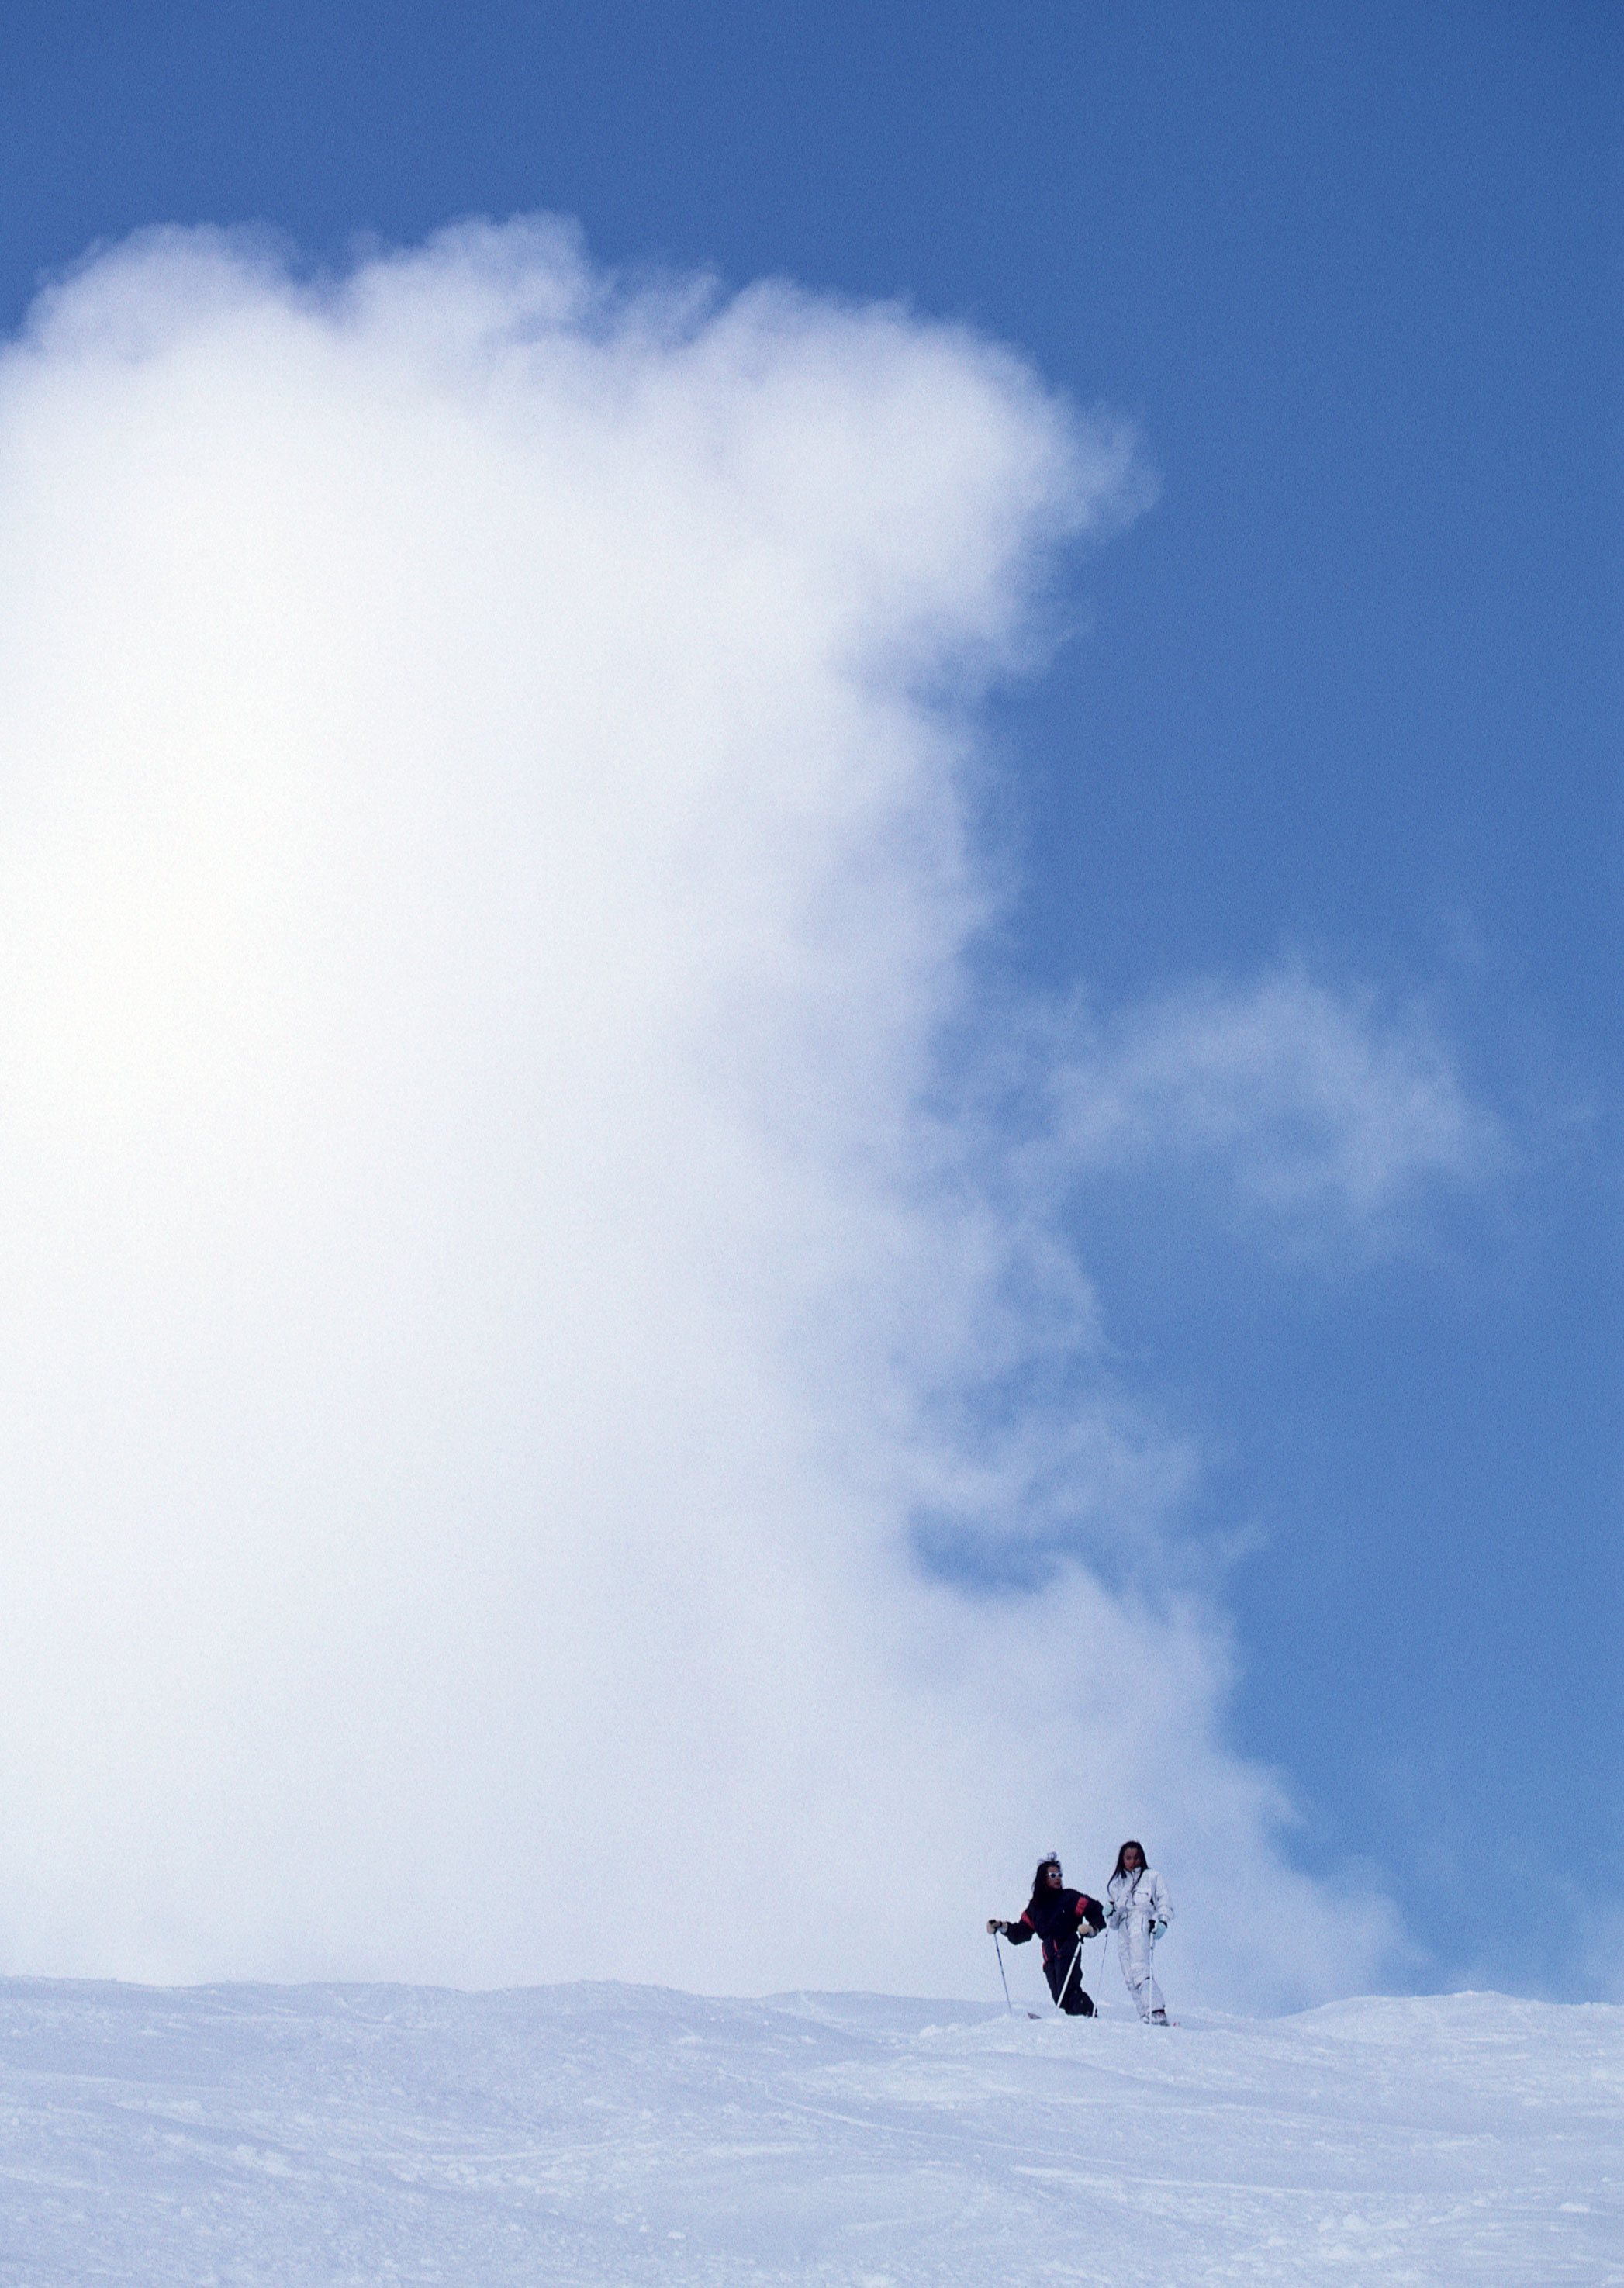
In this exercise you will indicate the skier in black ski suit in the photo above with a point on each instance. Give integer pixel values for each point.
(1062, 1919)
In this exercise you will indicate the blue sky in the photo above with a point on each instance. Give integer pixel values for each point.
(1345, 699)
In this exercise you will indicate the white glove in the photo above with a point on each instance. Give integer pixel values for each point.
(995, 1926)
(1157, 1928)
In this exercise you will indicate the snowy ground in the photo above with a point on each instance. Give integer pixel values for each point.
(602, 2134)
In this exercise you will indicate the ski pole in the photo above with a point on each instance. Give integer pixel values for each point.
(998, 1951)
(1065, 1990)
(1105, 1967)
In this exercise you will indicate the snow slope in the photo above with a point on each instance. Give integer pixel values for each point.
(604, 2133)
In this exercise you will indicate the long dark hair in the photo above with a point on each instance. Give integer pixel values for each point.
(1038, 1884)
(1132, 1844)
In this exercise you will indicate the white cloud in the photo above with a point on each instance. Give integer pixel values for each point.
(1328, 1113)
(485, 874)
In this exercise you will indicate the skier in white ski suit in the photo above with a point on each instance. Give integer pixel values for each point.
(1140, 1911)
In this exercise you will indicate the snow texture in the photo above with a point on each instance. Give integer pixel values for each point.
(608, 2133)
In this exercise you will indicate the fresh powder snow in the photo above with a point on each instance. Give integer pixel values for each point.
(598, 2134)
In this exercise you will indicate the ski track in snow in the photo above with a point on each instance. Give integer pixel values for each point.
(608, 2133)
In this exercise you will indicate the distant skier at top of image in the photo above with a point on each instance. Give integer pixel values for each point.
(1140, 1912)
(1062, 1919)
